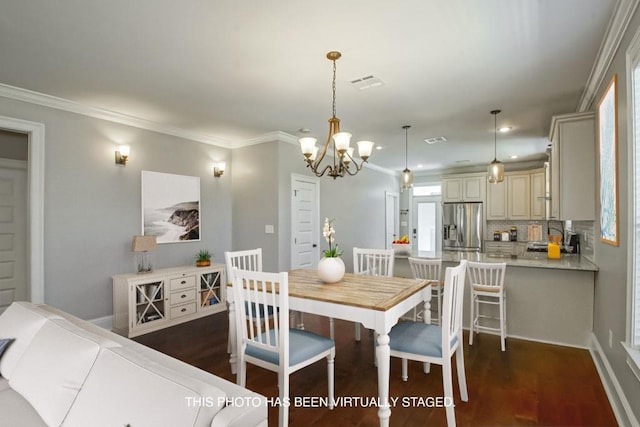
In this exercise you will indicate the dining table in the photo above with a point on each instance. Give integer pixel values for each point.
(376, 302)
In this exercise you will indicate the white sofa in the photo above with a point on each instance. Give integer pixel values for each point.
(61, 370)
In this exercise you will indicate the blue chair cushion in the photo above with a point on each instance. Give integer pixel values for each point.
(417, 338)
(302, 346)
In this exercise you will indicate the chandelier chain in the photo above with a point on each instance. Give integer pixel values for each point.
(333, 87)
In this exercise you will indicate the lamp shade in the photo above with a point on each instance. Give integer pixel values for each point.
(143, 244)
(342, 140)
(495, 172)
(306, 145)
(407, 179)
(364, 149)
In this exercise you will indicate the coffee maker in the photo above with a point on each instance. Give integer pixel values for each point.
(571, 242)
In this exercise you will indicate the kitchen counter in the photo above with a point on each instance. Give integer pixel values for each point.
(547, 300)
(528, 259)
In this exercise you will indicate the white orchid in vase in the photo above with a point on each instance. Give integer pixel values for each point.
(328, 232)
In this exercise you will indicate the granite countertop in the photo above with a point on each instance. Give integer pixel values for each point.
(528, 259)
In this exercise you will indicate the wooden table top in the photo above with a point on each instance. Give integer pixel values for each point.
(371, 292)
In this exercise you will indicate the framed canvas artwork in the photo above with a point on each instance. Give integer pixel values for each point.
(170, 207)
(608, 164)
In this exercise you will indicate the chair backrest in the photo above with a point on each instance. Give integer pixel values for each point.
(490, 274)
(452, 307)
(260, 289)
(243, 260)
(429, 269)
(373, 262)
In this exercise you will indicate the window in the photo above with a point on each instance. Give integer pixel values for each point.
(427, 190)
(632, 343)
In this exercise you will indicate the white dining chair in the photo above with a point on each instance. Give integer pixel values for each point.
(372, 262)
(487, 287)
(428, 269)
(275, 346)
(251, 260)
(429, 343)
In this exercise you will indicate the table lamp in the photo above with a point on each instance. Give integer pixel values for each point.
(142, 245)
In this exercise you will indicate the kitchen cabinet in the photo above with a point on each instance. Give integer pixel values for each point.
(538, 195)
(518, 196)
(497, 201)
(464, 188)
(521, 196)
(572, 167)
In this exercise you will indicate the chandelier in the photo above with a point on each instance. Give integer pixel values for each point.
(340, 161)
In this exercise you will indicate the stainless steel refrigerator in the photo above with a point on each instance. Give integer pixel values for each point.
(462, 226)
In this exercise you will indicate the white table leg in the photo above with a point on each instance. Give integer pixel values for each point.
(426, 318)
(232, 337)
(383, 355)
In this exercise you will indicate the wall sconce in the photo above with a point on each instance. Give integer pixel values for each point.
(218, 169)
(122, 155)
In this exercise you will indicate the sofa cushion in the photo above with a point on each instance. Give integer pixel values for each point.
(54, 367)
(125, 388)
(21, 322)
(16, 411)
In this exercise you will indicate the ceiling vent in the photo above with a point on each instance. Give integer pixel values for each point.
(366, 82)
(435, 140)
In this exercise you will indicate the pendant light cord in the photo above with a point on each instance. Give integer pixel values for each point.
(406, 146)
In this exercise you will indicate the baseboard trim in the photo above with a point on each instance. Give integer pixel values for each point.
(619, 403)
(519, 337)
(105, 322)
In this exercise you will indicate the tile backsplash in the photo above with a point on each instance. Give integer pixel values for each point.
(521, 225)
(585, 230)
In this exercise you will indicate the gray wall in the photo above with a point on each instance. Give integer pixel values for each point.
(262, 195)
(610, 305)
(93, 208)
(13, 145)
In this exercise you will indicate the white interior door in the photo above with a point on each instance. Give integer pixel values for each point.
(392, 225)
(13, 232)
(305, 221)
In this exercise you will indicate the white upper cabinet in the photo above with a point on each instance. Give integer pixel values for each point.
(464, 188)
(573, 167)
(520, 196)
(537, 208)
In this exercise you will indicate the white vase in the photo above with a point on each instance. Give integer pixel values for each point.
(331, 270)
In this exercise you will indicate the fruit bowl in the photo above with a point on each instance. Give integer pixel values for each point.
(401, 248)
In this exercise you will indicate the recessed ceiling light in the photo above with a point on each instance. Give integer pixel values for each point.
(504, 129)
(420, 166)
(515, 156)
(435, 139)
(378, 147)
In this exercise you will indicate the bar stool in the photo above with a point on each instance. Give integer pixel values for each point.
(487, 287)
(428, 269)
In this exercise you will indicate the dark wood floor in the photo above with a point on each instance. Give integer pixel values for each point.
(531, 384)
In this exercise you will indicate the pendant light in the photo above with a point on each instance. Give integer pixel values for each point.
(407, 176)
(495, 169)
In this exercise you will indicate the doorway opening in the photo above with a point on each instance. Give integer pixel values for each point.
(427, 218)
(35, 201)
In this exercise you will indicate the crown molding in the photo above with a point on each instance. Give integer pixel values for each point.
(50, 101)
(618, 24)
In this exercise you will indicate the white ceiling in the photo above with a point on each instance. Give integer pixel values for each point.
(236, 70)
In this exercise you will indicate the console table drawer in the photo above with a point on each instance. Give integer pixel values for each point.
(183, 282)
(188, 295)
(183, 310)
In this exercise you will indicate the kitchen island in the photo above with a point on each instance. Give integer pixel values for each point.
(547, 300)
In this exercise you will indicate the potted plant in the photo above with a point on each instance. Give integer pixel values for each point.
(204, 258)
(330, 267)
